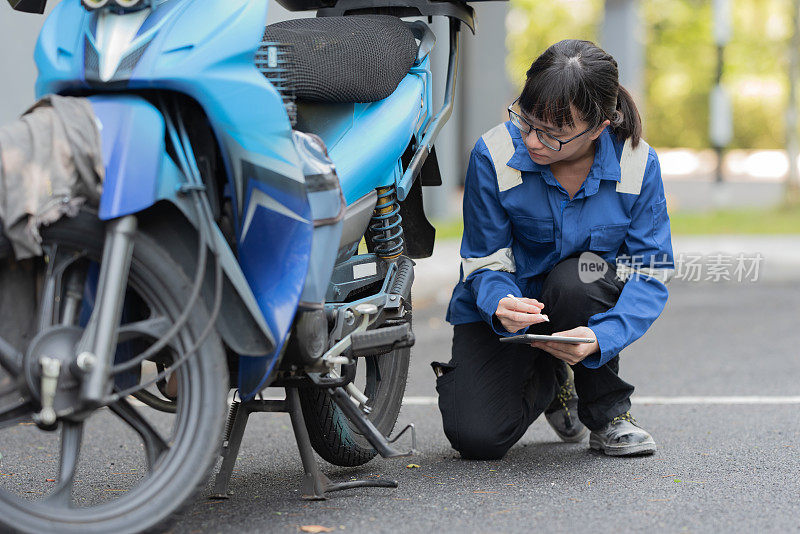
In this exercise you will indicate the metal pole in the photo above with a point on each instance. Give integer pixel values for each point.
(720, 114)
(792, 188)
(622, 36)
(718, 148)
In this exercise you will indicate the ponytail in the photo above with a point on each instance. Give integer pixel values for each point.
(627, 123)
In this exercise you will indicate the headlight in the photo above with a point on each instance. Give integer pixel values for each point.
(94, 4)
(131, 4)
(118, 5)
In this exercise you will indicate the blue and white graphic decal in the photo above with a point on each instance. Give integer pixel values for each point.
(273, 252)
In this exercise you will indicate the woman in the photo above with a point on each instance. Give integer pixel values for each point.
(556, 199)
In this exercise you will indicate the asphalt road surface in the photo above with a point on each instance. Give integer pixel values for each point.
(717, 382)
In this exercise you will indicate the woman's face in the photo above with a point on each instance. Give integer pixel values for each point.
(574, 150)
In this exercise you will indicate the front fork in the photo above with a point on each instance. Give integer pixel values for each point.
(98, 344)
(96, 348)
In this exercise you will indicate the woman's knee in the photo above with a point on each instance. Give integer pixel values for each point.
(469, 432)
(476, 435)
(482, 444)
(565, 284)
(479, 391)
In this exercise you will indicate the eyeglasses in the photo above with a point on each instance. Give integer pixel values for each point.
(546, 139)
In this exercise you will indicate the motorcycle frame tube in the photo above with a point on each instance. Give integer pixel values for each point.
(439, 120)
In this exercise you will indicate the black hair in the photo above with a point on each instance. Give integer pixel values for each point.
(580, 74)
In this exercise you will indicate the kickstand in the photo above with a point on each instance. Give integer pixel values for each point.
(315, 483)
(234, 432)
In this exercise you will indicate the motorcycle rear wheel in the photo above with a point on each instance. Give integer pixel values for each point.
(332, 435)
(177, 460)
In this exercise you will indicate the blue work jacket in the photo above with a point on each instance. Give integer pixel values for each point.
(519, 232)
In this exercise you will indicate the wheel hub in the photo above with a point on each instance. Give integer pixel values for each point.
(54, 350)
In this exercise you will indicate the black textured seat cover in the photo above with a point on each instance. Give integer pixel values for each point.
(346, 59)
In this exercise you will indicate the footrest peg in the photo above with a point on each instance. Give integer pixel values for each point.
(381, 340)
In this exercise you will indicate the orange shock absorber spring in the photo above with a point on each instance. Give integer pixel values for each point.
(386, 231)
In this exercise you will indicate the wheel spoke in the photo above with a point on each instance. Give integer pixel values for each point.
(10, 358)
(152, 328)
(57, 265)
(154, 444)
(71, 439)
(155, 402)
(49, 284)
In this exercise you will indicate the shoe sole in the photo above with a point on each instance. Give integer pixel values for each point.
(640, 449)
(571, 439)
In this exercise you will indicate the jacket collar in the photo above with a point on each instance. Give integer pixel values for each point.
(605, 166)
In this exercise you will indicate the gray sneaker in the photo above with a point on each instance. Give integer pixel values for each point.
(562, 414)
(622, 437)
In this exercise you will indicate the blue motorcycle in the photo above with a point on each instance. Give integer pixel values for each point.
(260, 213)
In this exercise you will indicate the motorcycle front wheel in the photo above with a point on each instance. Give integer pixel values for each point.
(126, 467)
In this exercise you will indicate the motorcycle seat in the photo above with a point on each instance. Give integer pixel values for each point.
(345, 59)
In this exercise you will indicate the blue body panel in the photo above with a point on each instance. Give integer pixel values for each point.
(205, 49)
(368, 156)
(139, 172)
(367, 144)
(59, 53)
(202, 48)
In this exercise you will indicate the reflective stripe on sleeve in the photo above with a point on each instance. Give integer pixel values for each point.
(633, 163)
(501, 148)
(502, 260)
(664, 275)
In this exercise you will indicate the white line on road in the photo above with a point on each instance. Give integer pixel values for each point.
(432, 401)
(754, 399)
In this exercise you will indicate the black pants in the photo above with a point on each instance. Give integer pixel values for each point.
(491, 392)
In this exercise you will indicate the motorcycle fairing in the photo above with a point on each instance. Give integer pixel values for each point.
(130, 153)
(276, 236)
(203, 49)
(140, 173)
(274, 255)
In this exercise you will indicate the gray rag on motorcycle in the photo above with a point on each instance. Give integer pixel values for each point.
(51, 163)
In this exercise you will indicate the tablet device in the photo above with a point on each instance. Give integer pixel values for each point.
(527, 338)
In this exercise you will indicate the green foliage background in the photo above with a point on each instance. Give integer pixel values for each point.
(680, 62)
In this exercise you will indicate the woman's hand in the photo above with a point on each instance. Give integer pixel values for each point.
(516, 314)
(572, 354)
